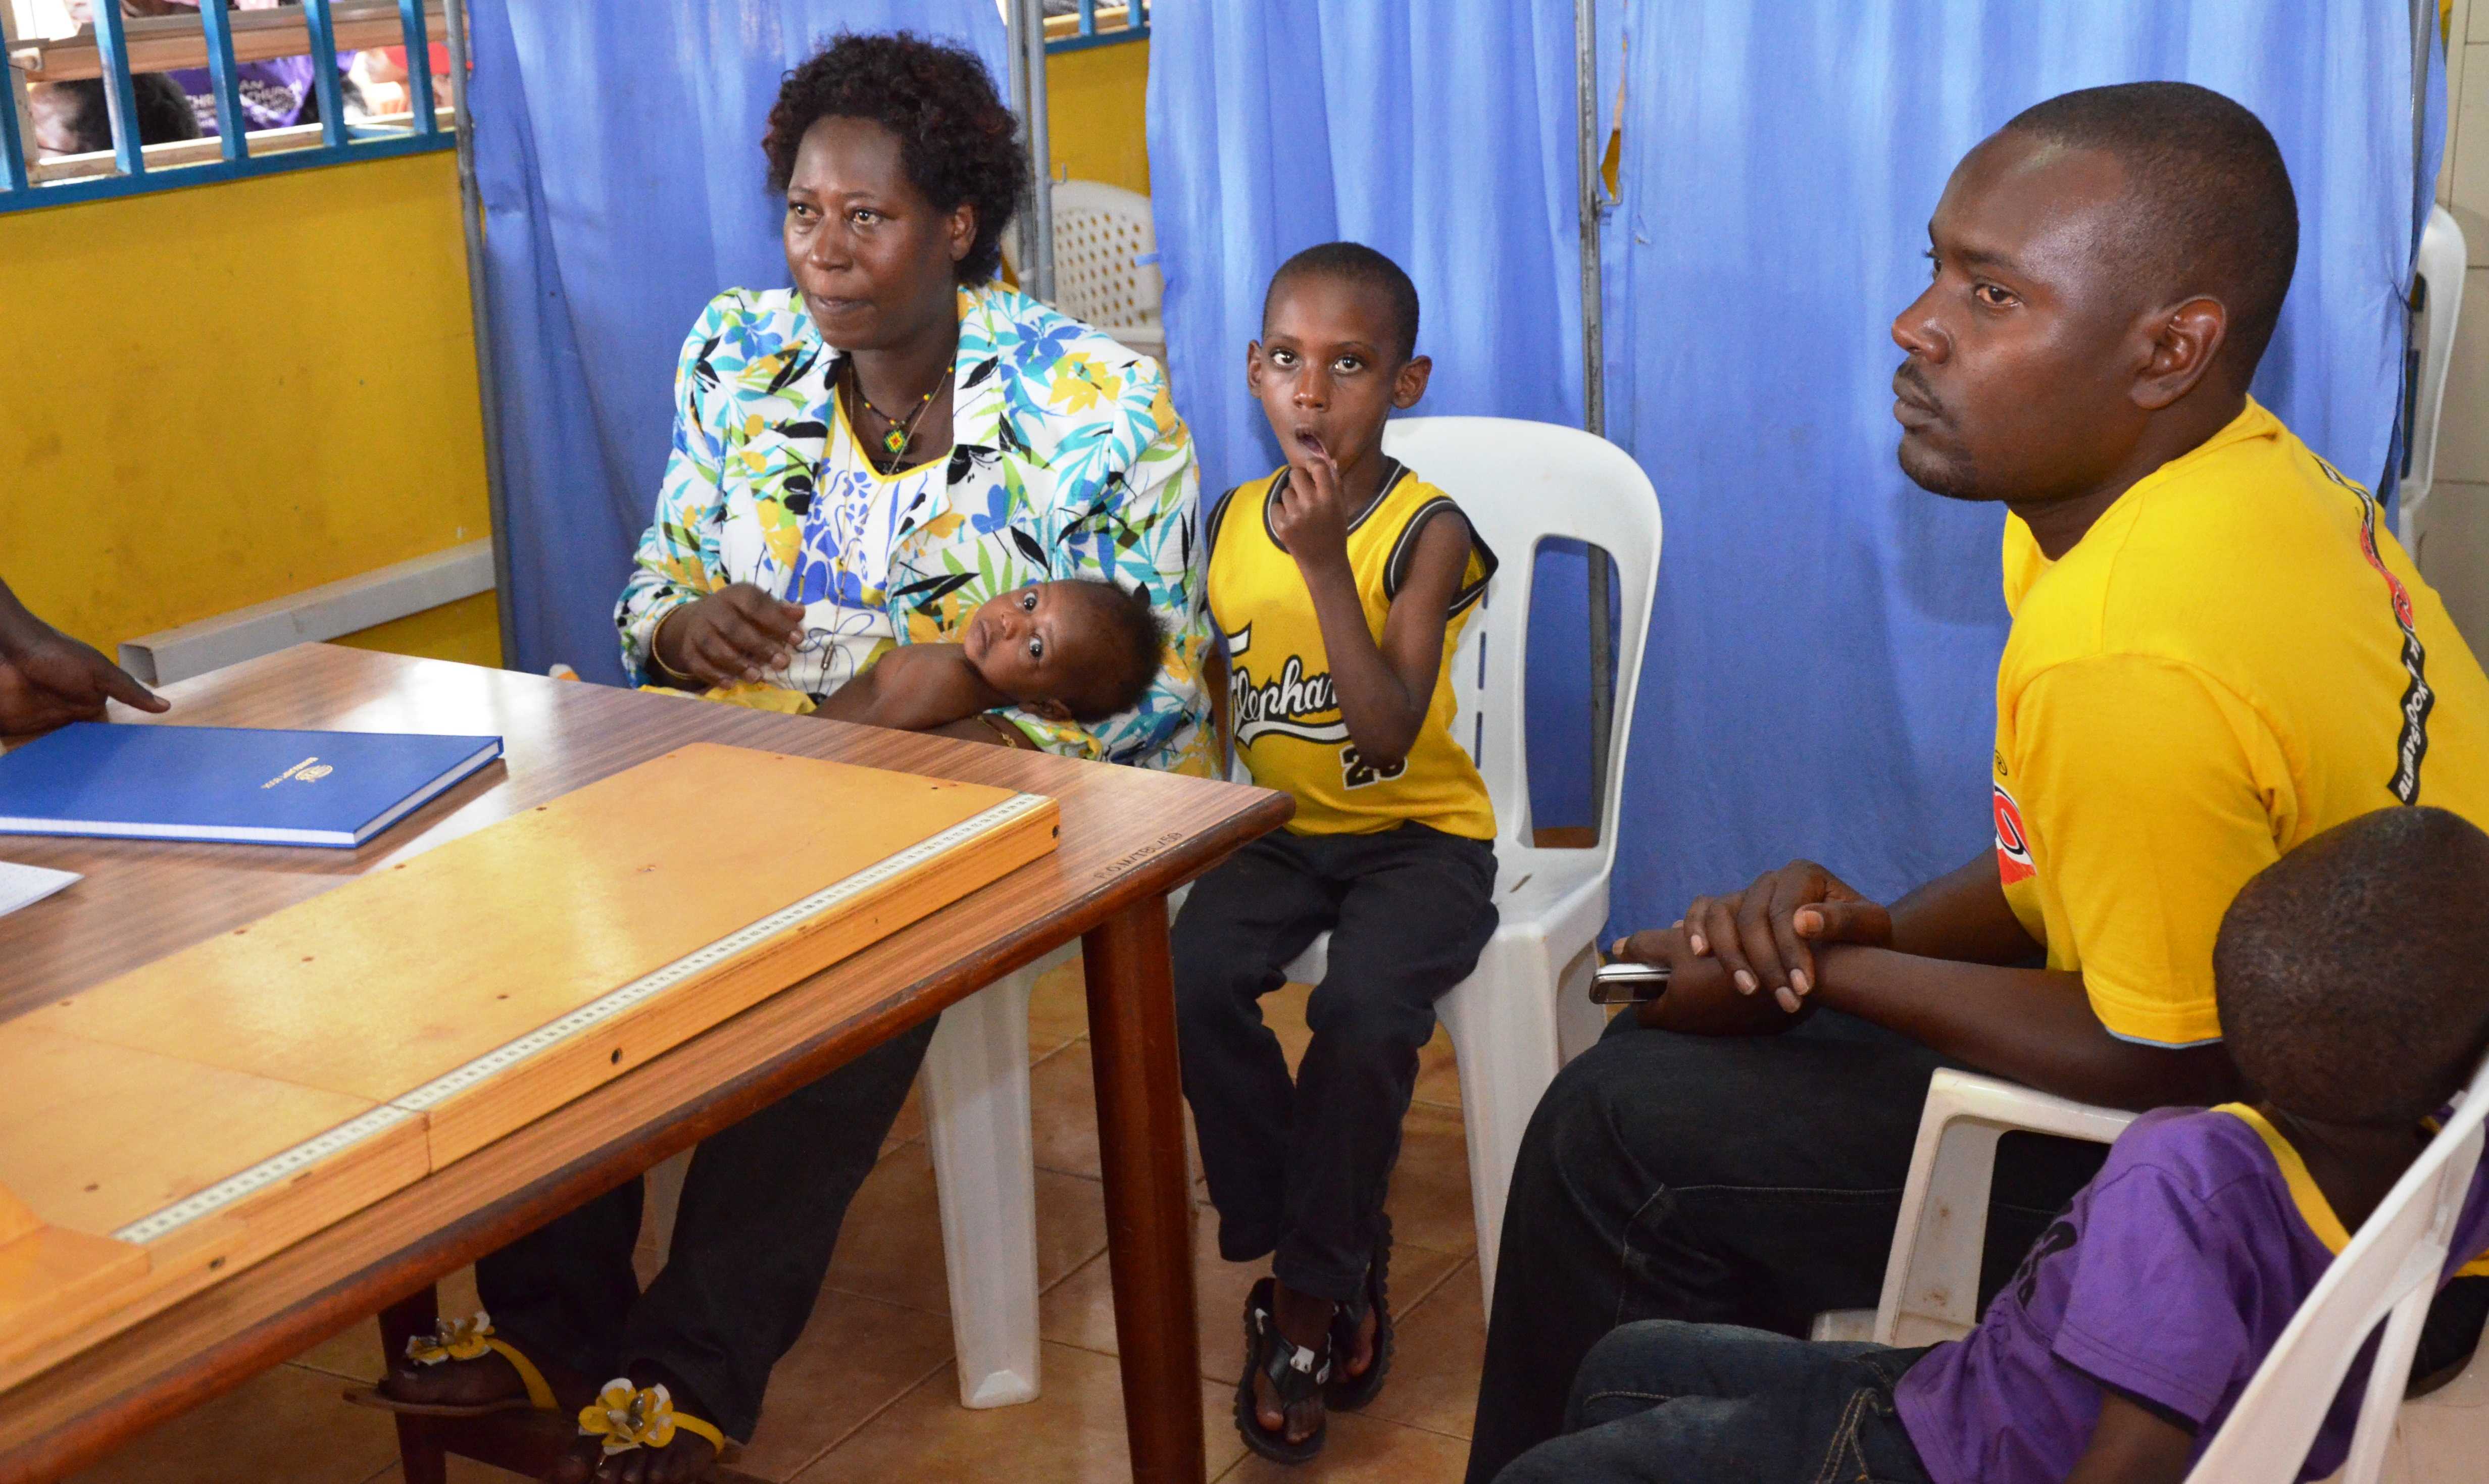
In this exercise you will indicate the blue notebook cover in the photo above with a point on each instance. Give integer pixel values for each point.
(230, 784)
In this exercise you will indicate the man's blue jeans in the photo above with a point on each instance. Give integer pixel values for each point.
(1748, 1181)
(1664, 1403)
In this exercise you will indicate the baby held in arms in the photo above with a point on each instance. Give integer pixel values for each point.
(1074, 650)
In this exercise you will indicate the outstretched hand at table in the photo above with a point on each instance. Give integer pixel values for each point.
(47, 678)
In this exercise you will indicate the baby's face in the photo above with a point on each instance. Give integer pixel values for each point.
(1031, 644)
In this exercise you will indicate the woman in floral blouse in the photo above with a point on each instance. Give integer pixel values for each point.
(858, 461)
(867, 457)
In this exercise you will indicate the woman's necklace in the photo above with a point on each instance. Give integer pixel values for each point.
(898, 433)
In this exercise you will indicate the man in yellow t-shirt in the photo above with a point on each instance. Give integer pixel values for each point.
(2217, 653)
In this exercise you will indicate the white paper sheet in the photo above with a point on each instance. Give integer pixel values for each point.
(23, 886)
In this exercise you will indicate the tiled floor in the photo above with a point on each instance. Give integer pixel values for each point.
(869, 1395)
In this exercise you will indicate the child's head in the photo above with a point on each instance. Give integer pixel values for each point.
(2353, 974)
(1337, 353)
(1080, 650)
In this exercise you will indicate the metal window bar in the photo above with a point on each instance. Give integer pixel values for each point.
(120, 94)
(418, 67)
(1087, 32)
(233, 126)
(134, 166)
(13, 169)
(324, 72)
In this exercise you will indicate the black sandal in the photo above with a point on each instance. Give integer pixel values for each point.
(1295, 1374)
(1346, 1392)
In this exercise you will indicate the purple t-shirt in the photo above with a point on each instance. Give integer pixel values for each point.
(2169, 1276)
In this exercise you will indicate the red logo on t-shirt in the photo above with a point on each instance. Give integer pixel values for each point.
(2013, 846)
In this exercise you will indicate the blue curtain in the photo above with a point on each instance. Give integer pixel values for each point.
(622, 180)
(1445, 139)
(1823, 662)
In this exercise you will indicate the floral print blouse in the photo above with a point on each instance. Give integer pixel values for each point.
(1066, 459)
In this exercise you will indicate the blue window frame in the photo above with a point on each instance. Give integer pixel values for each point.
(1133, 15)
(134, 172)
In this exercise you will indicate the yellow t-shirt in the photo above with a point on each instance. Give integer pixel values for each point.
(1288, 726)
(2234, 658)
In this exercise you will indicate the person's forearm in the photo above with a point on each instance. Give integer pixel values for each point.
(2035, 1026)
(1382, 717)
(1962, 915)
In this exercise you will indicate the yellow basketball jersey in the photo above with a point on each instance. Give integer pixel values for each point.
(1281, 703)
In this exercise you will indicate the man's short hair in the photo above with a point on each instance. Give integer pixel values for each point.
(2214, 210)
(2353, 974)
(1355, 263)
(1132, 647)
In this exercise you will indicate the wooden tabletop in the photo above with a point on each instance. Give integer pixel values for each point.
(1128, 835)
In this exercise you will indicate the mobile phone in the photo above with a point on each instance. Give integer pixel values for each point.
(1628, 983)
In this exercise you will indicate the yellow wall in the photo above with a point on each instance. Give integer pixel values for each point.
(224, 394)
(1093, 114)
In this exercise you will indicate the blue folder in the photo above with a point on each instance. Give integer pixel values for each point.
(230, 784)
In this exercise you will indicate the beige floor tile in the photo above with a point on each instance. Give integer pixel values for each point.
(1434, 1375)
(1430, 1188)
(1063, 1112)
(1072, 1434)
(461, 1470)
(856, 1357)
(909, 1126)
(1080, 1310)
(285, 1423)
(1361, 1450)
(1058, 1011)
(354, 1354)
(1438, 1080)
(891, 1246)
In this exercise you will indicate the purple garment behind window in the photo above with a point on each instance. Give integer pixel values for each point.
(2168, 1277)
(275, 94)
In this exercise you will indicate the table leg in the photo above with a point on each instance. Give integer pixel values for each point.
(1140, 1138)
(422, 1455)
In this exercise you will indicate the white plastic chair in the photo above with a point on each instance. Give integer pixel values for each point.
(2440, 276)
(1526, 1010)
(1932, 1290)
(1105, 263)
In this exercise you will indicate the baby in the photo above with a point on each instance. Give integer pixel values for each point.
(1074, 650)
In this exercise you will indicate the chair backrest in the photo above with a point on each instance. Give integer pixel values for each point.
(2389, 1271)
(2440, 276)
(1105, 255)
(1520, 483)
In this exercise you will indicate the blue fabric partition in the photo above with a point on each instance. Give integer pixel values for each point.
(1821, 667)
(622, 179)
(1442, 136)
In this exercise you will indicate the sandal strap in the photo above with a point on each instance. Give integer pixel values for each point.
(471, 1340)
(628, 1416)
(1295, 1371)
(539, 1391)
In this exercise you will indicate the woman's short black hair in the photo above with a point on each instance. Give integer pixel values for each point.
(956, 141)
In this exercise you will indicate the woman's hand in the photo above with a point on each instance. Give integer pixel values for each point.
(1702, 1000)
(736, 633)
(1310, 516)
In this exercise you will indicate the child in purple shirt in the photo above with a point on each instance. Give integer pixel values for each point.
(2353, 981)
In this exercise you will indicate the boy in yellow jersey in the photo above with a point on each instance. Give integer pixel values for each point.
(2217, 652)
(1339, 585)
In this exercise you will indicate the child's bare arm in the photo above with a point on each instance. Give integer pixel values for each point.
(1383, 689)
(2132, 1444)
(914, 688)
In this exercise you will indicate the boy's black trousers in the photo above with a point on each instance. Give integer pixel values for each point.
(1299, 1168)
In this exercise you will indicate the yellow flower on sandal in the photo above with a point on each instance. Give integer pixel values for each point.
(452, 1339)
(628, 1416)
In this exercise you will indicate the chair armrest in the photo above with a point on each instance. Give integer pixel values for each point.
(1932, 1278)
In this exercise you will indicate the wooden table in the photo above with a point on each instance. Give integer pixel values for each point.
(1129, 838)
